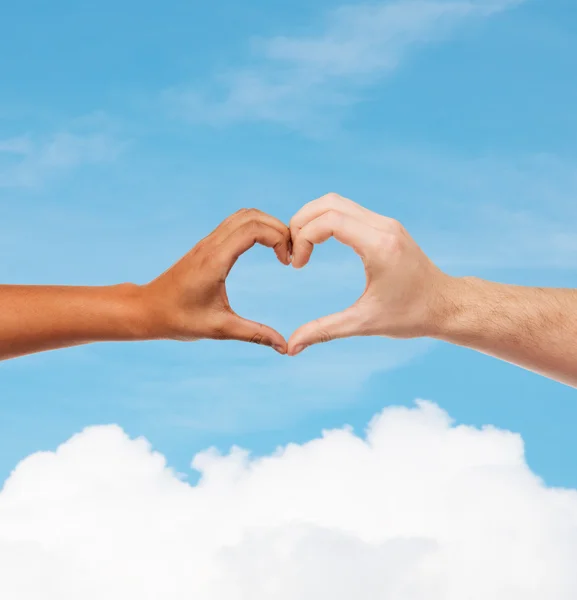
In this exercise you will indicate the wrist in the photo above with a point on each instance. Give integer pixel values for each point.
(158, 314)
(458, 308)
(136, 312)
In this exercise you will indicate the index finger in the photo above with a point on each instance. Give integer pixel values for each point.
(242, 216)
(316, 208)
(344, 228)
(251, 233)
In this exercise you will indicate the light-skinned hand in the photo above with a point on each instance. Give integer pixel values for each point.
(403, 297)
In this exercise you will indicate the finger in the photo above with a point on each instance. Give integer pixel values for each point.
(344, 228)
(338, 325)
(246, 215)
(316, 208)
(251, 233)
(237, 328)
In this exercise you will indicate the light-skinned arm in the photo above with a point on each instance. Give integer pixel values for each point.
(407, 296)
(187, 302)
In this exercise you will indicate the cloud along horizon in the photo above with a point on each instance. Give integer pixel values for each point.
(416, 508)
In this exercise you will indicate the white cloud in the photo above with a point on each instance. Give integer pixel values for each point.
(418, 509)
(504, 212)
(28, 162)
(295, 78)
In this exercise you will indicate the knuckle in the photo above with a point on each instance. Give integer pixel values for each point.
(252, 227)
(323, 335)
(253, 213)
(257, 338)
(256, 228)
(245, 214)
(392, 237)
(333, 217)
(395, 227)
(333, 197)
(200, 247)
(391, 242)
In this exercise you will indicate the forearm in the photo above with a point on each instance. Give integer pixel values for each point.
(535, 328)
(37, 318)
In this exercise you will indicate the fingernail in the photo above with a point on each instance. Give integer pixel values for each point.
(279, 349)
(298, 349)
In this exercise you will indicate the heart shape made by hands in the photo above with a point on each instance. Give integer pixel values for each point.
(402, 297)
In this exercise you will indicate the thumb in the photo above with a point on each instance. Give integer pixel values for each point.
(256, 333)
(338, 325)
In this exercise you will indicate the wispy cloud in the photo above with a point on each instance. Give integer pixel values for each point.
(293, 78)
(504, 212)
(329, 378)
(17, 145)
(30, 160)
(505, 239)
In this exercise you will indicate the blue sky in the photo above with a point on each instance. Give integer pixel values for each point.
(129, 130)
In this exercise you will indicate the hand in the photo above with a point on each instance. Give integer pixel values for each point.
(404, 296)
(189, 301)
